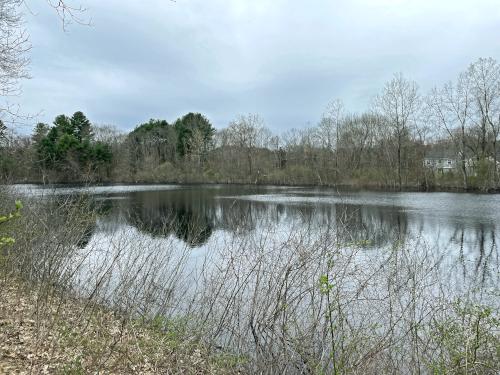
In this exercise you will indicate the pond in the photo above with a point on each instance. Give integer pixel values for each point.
(465, 227)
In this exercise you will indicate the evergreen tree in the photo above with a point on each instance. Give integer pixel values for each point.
(64, 125)
(189, 126)
(68, 146)
(3, 130)
(81, 126)
(40, 132)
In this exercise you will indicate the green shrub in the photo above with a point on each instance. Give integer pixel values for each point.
(4, 219)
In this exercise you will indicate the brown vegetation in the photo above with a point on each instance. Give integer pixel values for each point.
(55, 335)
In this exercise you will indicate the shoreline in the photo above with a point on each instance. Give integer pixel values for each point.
(339, 187)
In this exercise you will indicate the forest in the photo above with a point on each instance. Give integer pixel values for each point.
(391, 145)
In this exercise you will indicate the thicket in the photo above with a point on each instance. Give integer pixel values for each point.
(52, 325)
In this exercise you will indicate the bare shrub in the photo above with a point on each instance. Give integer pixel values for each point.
(275, 300)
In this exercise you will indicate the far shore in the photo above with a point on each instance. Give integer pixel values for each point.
(339, 187)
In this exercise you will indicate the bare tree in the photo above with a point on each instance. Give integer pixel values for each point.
(330, 129)
(244, 133)
(450, 108)
(484, 75)
(68, 12)
(14, 45)
(399, 104)
(197, 145)
(358, 138)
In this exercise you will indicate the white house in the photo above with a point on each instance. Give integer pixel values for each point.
(441, 161)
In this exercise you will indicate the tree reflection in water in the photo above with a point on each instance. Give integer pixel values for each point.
(194, 214)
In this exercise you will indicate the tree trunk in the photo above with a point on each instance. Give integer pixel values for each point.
(399, 162)
(495, 168)
(463, 161)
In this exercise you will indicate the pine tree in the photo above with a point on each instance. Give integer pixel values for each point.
(81, 126)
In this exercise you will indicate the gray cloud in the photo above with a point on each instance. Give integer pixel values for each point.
(282, 59)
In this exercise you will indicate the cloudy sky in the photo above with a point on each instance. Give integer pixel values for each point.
(283, 59)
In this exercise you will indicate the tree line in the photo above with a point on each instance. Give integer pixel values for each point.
(385, 146)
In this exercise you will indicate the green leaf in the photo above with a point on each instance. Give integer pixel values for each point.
(19, 205)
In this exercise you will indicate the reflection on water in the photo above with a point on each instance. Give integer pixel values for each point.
(463, 227)
(194, 214)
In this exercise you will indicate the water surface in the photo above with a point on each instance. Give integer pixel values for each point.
(463, 228)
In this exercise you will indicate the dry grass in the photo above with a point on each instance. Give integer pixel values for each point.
(63, 336)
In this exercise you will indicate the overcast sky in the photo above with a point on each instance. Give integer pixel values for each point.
(283, 59)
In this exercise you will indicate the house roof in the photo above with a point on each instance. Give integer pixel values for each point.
(441, 154)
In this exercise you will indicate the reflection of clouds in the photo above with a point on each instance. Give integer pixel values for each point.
(470, 207)
(39, 190)
(129, 266)
(469, 249)
(194, 213)
(461, 227)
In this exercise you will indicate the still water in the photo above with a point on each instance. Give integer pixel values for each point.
(462, 228)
